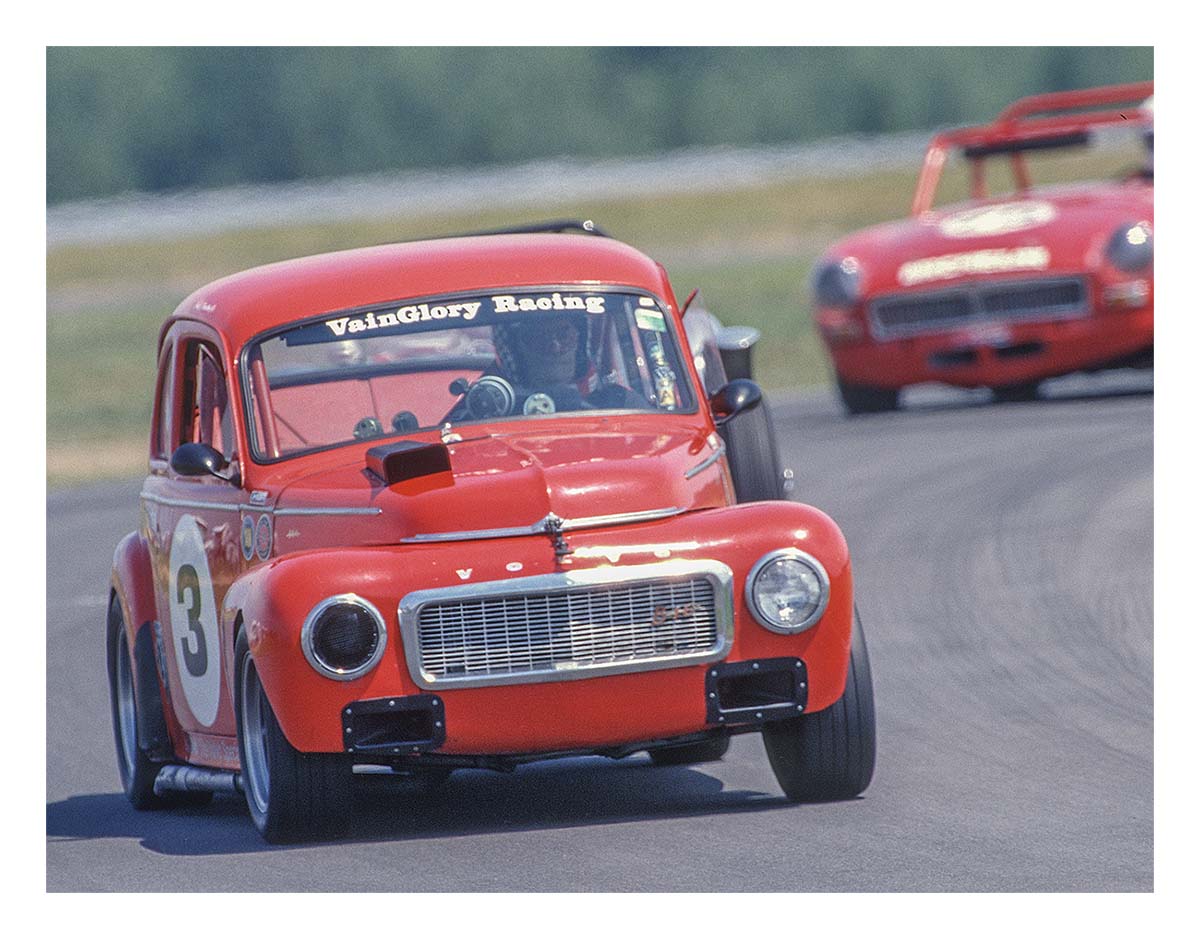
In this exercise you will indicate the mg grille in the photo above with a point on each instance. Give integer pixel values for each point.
(564, 631)
(914, 313)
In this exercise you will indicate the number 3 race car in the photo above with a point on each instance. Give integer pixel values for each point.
(466, 503)
(1000, 292)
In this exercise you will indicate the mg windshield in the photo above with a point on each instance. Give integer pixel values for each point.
(520, 355)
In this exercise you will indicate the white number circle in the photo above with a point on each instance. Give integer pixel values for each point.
(194, 637)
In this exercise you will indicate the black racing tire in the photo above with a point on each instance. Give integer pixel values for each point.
(867, 399)
(136, 769)
(753, 454)
(292, 796)
(1024, 391)
(830, 754)
(706, 751)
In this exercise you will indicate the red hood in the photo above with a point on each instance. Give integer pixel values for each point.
(511, 479)
(1049, 230)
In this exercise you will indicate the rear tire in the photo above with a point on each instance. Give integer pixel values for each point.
(866, 399)
(136, 769)
(292, 796)
(753, 455)
(829, 754)
(706, 751)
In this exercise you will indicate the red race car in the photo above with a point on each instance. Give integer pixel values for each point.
(466, 503)
(1000, 292)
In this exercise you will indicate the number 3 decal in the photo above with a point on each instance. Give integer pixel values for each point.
(193, 621)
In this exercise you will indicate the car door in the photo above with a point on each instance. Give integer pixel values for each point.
(196, 538)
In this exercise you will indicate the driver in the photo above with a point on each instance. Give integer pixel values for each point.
(546, 358)
(554, 351)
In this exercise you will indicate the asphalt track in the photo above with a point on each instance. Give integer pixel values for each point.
(1003, 564)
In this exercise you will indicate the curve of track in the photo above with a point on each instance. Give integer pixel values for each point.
(1003, 564)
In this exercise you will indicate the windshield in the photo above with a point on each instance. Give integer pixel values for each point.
(519, 355)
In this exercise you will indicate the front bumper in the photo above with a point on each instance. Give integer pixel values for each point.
(589, 713)
(997, 354)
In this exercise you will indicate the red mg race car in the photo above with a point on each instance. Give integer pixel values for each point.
(466, 503)
(1000, 292)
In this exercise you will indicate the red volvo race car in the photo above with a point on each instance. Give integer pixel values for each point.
(999, 292)
(466, 503)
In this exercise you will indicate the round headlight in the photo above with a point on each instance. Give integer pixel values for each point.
(1131, 247)
(838, 283)
(787, 590)
(343, 637)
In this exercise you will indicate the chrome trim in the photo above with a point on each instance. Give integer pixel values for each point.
(796, 554)
(717, 573)
(252, 507)
(331, 510)
(972, 293)
(542, 526)
(315, 660)
(706, 462)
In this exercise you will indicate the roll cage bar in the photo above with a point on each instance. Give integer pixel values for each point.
(1039, 122)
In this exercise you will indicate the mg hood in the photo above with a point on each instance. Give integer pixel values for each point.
(1048, 230)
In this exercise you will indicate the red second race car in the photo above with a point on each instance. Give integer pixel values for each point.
(999, 292)
(466, 503)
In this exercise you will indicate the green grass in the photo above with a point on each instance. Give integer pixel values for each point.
(749, 250)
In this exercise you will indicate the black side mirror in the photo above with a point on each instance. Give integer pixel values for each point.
(199, 459)
(732, 399)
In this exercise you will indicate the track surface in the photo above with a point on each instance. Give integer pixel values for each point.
(1003, 563)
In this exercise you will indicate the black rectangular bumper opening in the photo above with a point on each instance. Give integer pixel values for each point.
(394, 726)
(755, 691)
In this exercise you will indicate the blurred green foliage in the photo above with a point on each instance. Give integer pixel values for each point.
(149, 119)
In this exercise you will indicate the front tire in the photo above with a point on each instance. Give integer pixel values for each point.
(292, 796)
(866, 399)
(753, 455)
(706, 751)
(1008, 394)
(829, 754)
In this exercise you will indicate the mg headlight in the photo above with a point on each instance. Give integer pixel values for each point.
(838, 283)
(787, 590)
(1131, 247)
(343, 637)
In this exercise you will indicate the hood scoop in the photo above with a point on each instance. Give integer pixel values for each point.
(408, 459)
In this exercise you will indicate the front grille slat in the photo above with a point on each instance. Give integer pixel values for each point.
(604, 626)
(931, 311)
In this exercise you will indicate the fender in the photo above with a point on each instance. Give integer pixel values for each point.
(159, 734)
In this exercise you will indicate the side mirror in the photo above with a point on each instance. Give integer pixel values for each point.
(737, 344)
(199, 459)
(732, 399)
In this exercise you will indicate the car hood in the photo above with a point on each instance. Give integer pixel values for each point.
(503, 481)
(1061, 230)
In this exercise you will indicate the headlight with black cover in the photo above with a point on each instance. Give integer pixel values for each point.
(343, 637)
(787, 590)
(838, 283)
(1131, 247)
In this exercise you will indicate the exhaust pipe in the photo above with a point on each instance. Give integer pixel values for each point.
(177, 778)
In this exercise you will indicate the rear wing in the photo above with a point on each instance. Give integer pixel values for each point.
(1040, 122)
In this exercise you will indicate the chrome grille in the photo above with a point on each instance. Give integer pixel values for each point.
(912, 313)
(562, 626)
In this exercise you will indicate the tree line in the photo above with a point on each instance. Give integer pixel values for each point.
(152, 119)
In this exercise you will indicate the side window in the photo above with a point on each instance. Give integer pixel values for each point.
(206, 415)
(160, 433)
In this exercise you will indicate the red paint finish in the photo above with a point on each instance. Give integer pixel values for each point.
(1034, 235)
(258, 550)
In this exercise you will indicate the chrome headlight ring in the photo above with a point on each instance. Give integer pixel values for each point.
(308, 636)
(808, 564)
